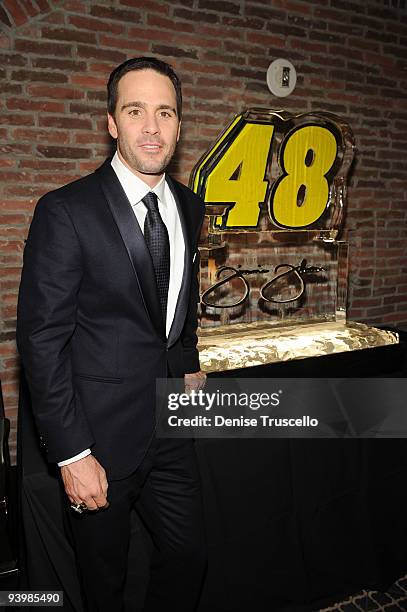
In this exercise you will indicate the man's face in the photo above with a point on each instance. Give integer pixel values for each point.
(145, 123)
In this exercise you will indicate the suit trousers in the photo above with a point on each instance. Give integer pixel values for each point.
(165, 491)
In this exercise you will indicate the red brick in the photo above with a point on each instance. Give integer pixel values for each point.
(15, 148)
(54, 18)
(10, 388)
(24, 104)
(44, 5)
(204, 81)
(197, 16)
(40, 76)
(5, 41)
(90, 166)
(298, 7)
(208, 30)
(89, 23)
(9, 311)
(265, 12)
(4, 163)
(12, 59)
(9, 175)
(242, 22)
(46, 164)
(378, 59)
(313, 47)
(62, 93)
(24, 191)
(163, 22)
(165, 51)
(89, 81)
(29, 7)
(86, 109)
(96, 95)
(55, 178)
(11, 259)
(19, 205)
(69, 35)
(59, 64)
(30, 30)
(10, 88)
(332, 15)
(11, 363)
(135, 45)
(104, 67)
(75, 6)
(222, 6)
(265, 38)
(197, 67)
(9, 376)
(64, 152)
(155, 7)
(35, 135)
(66, 123)
(210, 94)
(12, 219)
(16, 12)
(113, 13)
(41, 48)
(100, 54)
(86, 138)
(7, 349)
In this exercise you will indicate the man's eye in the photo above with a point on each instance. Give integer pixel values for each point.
(135, 112)
(165, 114)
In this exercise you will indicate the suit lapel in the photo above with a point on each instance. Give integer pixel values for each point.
(183, 296)
(134, 242)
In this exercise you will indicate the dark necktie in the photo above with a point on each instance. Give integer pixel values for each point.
(156, 237)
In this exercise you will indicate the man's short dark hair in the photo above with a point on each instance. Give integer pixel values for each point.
(141, 63)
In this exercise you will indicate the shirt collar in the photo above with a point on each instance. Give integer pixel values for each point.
(133, 186)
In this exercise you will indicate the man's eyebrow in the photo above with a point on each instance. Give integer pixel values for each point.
(129, 104)
(142, 105)
(167, 107)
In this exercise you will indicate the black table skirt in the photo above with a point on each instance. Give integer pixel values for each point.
(291, 525)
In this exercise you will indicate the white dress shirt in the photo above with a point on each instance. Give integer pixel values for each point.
(135, 190)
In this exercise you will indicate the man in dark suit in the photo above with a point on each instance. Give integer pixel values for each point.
(108, 304)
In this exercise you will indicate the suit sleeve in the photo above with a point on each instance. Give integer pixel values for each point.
(46, 322)
(189, 336)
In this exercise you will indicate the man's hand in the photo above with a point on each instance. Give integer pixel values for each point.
(85, 481)
(194, 381)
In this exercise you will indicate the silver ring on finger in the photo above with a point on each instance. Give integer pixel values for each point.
(79, 508)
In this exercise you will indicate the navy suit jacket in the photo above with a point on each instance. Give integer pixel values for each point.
(90, 329)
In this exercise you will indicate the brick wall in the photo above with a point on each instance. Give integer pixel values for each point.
(351, 58)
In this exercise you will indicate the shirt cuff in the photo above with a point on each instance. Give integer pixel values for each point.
(81, 455)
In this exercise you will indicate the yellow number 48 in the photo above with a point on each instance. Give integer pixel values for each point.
(239, 176)
(300, 196)
(289, 161)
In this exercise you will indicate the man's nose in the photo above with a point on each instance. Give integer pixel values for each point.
(151, 124)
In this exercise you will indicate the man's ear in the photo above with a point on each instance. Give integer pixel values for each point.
(111, 126)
